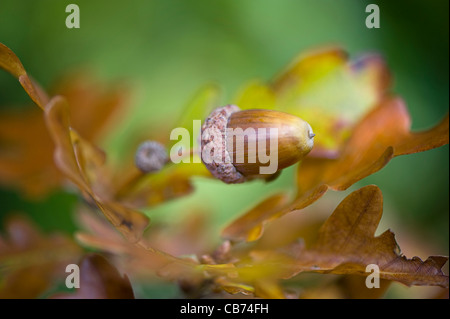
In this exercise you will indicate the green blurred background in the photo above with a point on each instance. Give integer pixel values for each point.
(168, 49)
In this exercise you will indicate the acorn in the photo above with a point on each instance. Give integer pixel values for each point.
(151, 157)
(241, 145)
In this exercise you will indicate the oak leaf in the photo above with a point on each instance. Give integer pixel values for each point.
(84, 163)
(172, 259)
(26, 154)
(26, 149)
(81, 161)
(140, 258)
(347, 243)
(32, 262)
(99, 279)
(77, 159)
(11, 63)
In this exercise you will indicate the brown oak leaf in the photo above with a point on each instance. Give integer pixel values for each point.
(31, 262)
(83, 162)
(77, 159)
(99, 279)
(11, 63)
(26, 149)
(347, 245)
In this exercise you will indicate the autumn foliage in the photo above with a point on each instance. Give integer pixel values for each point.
(360, 127)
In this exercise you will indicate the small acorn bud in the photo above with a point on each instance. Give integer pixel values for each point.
(151, 156)
(237, 146)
